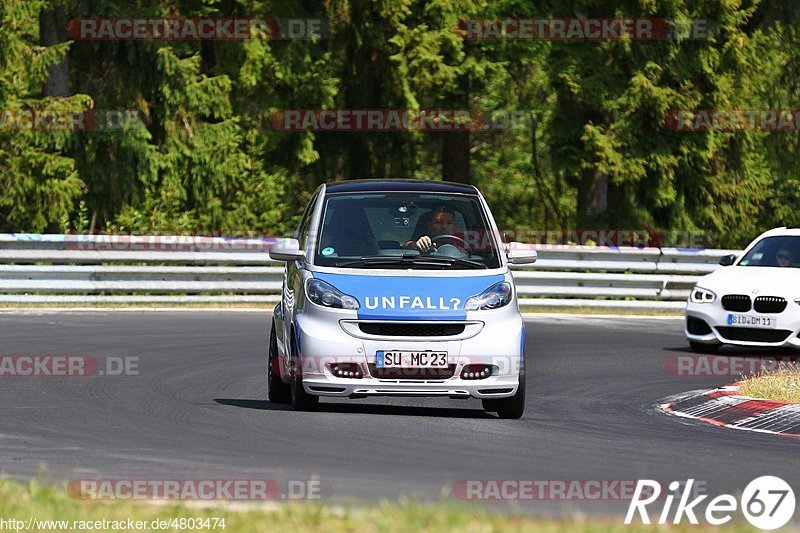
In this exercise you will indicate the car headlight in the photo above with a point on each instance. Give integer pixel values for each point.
(495, 296)
(702, 296)
(326, 295)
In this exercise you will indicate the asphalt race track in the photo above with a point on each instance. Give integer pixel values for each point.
(197, 410)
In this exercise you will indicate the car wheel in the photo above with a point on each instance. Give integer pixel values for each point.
(490, 406)
(277, 390)
(301, 400)
(513, 407)
(700, 347)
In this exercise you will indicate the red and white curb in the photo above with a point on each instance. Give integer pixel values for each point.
(726, 407)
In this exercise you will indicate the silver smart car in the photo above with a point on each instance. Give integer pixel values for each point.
(398, 288)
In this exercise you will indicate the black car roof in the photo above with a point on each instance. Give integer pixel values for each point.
(388, 185)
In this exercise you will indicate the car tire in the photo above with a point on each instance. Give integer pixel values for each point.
(513, 407)
(277, 390)
(301, 400)
(700, 347)
(490, 406)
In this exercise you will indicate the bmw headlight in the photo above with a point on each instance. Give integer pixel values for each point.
(495, 296)
(702, 296)
(326, 295)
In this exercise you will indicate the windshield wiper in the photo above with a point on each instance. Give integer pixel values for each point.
(410, 261)
(405, 260)
(456, 261)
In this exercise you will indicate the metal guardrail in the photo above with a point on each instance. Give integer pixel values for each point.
(86, 269)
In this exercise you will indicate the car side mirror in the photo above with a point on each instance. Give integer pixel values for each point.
(286, 250)
(521, 254)
(727, 260)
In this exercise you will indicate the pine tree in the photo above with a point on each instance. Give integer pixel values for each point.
(40, 185)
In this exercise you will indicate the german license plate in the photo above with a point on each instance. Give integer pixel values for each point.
(400, 359)
(752, 321)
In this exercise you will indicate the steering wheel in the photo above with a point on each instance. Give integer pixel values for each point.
(463, 244)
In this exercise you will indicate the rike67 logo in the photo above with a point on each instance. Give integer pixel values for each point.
(767, 502)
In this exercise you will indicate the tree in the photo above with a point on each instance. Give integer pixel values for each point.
(40, 186)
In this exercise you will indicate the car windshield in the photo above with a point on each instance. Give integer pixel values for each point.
(405, 230)
(774, 252)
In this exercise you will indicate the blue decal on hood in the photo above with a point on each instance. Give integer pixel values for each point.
(410, 297)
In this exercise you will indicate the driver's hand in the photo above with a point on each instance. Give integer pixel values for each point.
(424, 244)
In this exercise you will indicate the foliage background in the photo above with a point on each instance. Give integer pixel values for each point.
(205, 159)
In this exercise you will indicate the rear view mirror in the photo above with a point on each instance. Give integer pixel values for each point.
(521, 254)
(727, 260)
(286, 250)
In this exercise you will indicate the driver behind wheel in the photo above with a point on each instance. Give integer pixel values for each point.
(442, 222)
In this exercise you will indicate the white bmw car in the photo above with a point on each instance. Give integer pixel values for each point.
(754, 301)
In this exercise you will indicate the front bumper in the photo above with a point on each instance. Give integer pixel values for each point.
(490, 338)
(785, 332)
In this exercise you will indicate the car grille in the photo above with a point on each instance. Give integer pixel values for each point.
(736, 302)
(754, 334)
(405, 329)
(770, 304)
(418, 374)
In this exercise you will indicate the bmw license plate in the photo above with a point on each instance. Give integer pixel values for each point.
(400, 359)
(752, 321)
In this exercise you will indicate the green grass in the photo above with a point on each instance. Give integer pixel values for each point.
(44, 502)
(781, 384)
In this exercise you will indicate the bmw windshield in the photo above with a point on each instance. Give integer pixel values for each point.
(778, 251)
(405, 230)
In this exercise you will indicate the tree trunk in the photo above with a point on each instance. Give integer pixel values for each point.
(592, 197)
(53, 30)
(358, 158)
(456, 143)
(541, 182)
(455, 156)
